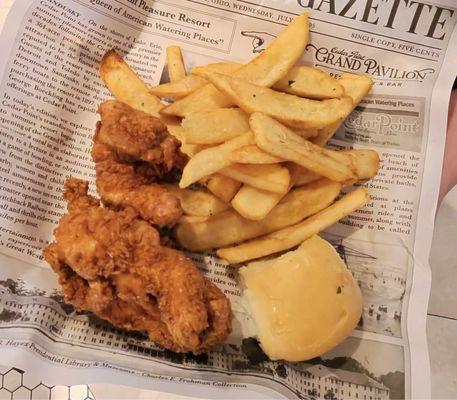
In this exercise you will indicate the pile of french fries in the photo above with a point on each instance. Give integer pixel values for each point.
(259, 179)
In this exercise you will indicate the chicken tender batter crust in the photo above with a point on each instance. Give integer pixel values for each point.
(111, 263)
(126, 143)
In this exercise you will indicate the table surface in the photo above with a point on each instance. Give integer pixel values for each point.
(442, 314)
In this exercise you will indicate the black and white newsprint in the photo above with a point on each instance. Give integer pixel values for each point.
(49, 92)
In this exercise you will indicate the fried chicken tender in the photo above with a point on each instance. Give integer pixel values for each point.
(131, 150)
(112, 264)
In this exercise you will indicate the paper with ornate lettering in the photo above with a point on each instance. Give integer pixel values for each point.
(50, 90)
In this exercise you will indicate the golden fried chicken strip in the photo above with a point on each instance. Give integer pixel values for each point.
(136, 135)
(121, 185)
(111, 263)
(127, 142)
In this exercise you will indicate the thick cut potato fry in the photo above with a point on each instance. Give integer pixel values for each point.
(271, 177)
(255, 204)
(289, 109)
(191, 150)
(198, 203)
(356, 87)
(188, 149)
(205, 98)
(366, 162)
(177, 131)
(223, 187)
(326, 133)
(291, 236)
(175, 64)
(125, 85)
(280, 141)
(225, 67)
(306, 133)
(300, 176)
(215, 126)
(229, 227)
(179, 89)
(191, 219)
(310, 82)
(252, 154)
(264, 70)
(279, 57)
(213, 159)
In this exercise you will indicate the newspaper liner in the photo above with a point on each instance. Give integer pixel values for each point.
(49, 93)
